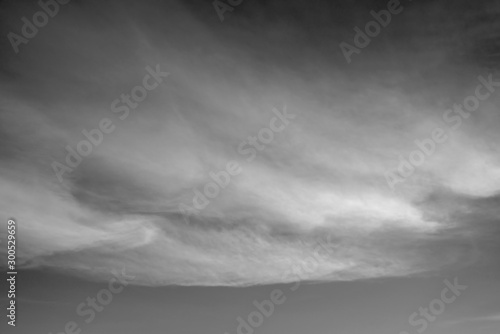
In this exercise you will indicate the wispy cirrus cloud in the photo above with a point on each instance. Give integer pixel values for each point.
(323, 176)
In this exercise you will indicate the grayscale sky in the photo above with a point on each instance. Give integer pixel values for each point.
(329, 176)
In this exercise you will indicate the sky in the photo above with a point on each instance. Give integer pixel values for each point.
(213, 155)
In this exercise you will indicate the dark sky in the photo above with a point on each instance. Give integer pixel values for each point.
(327, 174)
